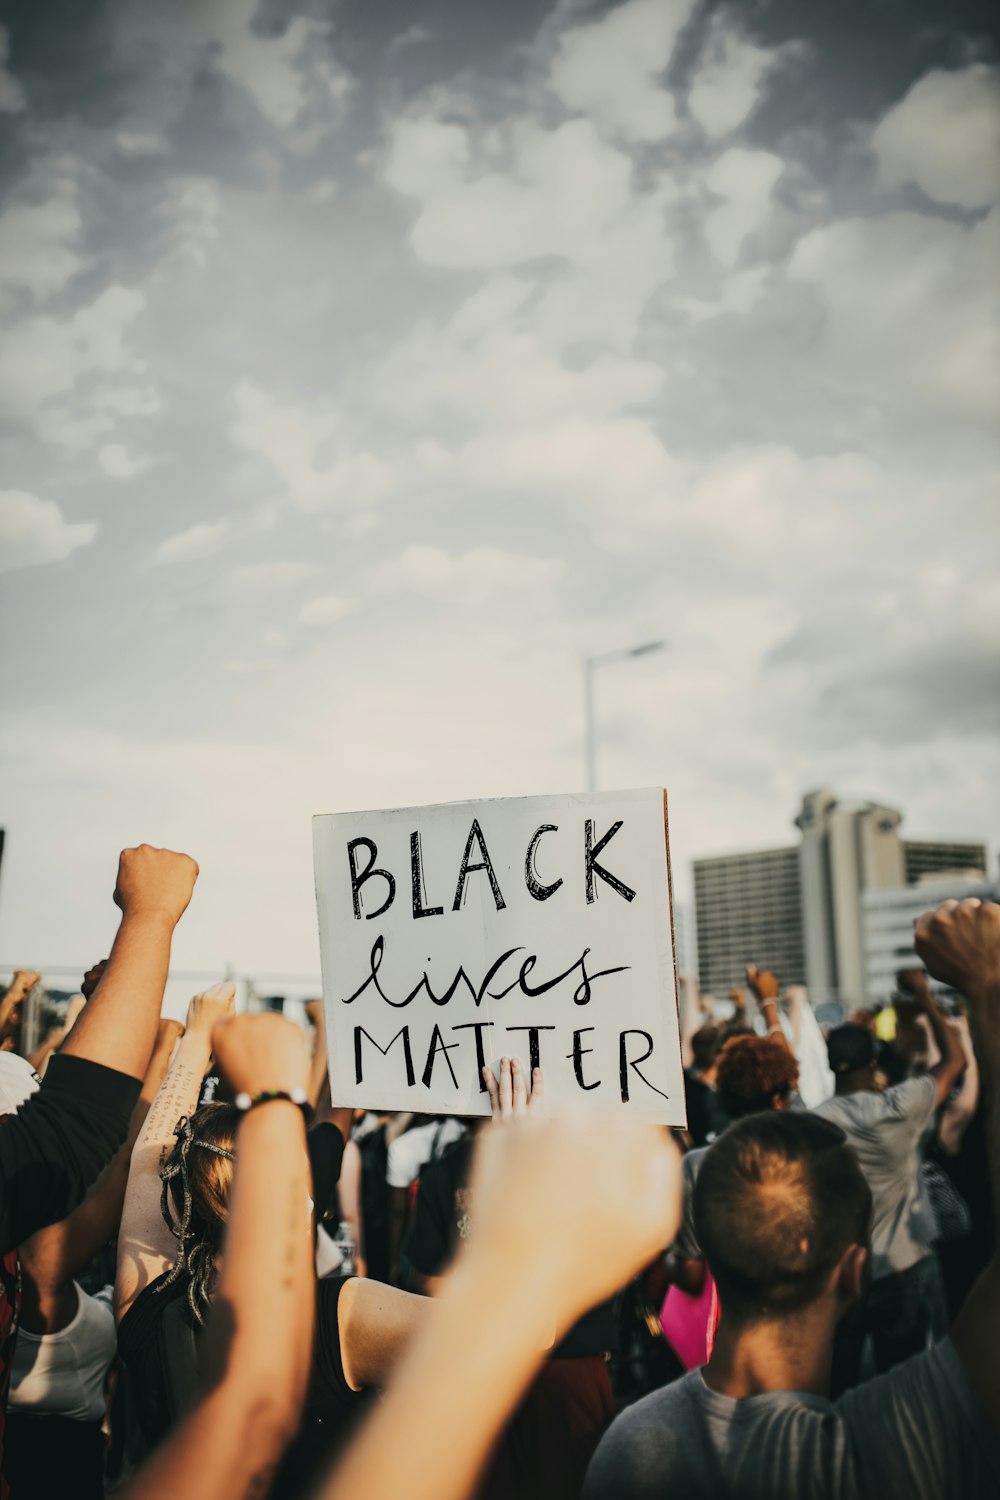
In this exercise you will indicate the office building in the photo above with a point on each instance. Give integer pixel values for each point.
(748, 909)
(923, 858)
(799, 909)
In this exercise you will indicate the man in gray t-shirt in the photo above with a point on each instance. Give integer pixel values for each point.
(917, 1432)
(885, 1130)
(782, 1212)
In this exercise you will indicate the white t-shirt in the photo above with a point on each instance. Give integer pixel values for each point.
(915, 1433)
(414, 1149)
(62, 1374)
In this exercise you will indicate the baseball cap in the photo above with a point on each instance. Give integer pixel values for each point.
(18, 1081)
(850, 1047)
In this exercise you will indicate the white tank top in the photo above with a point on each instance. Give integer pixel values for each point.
(62, 1374)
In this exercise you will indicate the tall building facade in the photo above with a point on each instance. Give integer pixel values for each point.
(799, 910)
(748, 910)
(846, 848)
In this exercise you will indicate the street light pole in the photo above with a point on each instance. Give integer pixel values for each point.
(589, 725)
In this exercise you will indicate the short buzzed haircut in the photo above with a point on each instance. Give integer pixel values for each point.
(779, 1198)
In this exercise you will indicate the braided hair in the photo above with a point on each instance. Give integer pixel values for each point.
(194, 1200)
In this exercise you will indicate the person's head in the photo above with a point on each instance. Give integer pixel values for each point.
(783, 1214)
(755, 1073)
(852, 1052)
(705, 1046)
(197, 1179)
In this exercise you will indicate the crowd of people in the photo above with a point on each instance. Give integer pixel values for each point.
(216, 1282)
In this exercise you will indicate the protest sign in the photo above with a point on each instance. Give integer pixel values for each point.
(529, 927)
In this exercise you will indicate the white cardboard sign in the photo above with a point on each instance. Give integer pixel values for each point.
(529, 927)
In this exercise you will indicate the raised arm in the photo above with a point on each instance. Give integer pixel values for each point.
(118, 1027)
(765, 986)
(952, 1059)
(51, 1258)
(539, 1193)
(18, 990)
(146, 1248)
(318, 1063)
(960, 944)
(959, 1111)
(258, 1346)
(58, 1143)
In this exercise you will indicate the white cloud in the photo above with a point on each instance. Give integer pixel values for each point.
(945, 137)
(530, 195)
(118, 463)
(201, 540)
(910, 312)
(38, 251)
(33, 531)
(303, 449)
(507, 379)
(745, 181)
(327, 609)
(271, 576)
(561, 188)
(613, 474)
(193, 207)
(727, 84)
(11, 93)
(275, 70)
(481, 576)
(609, 69)
(43, 357)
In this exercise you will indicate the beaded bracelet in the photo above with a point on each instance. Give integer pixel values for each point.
(245, 1102)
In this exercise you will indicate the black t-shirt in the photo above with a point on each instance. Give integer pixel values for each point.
(441, 1220)
(696, 1097)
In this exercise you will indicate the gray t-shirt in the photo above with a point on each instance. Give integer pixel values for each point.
(917, 1432)
(885, 1130)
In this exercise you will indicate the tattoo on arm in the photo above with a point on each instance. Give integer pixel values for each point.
(173, 1099)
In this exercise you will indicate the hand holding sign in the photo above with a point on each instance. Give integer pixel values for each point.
(512, 1095)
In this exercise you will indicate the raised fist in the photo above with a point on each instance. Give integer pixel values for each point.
(960, 944)
(541, 1191)
(211, 1007)
(763, 983)
(260, 1053)
(155, 881)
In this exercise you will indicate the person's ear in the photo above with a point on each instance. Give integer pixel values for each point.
(852, 1274)
(781, 1101)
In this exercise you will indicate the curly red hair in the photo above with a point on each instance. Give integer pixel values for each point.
(752, 1069)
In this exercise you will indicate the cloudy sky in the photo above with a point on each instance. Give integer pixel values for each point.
(365, 365)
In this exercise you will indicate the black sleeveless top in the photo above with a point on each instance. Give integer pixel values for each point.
(158, 1343)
